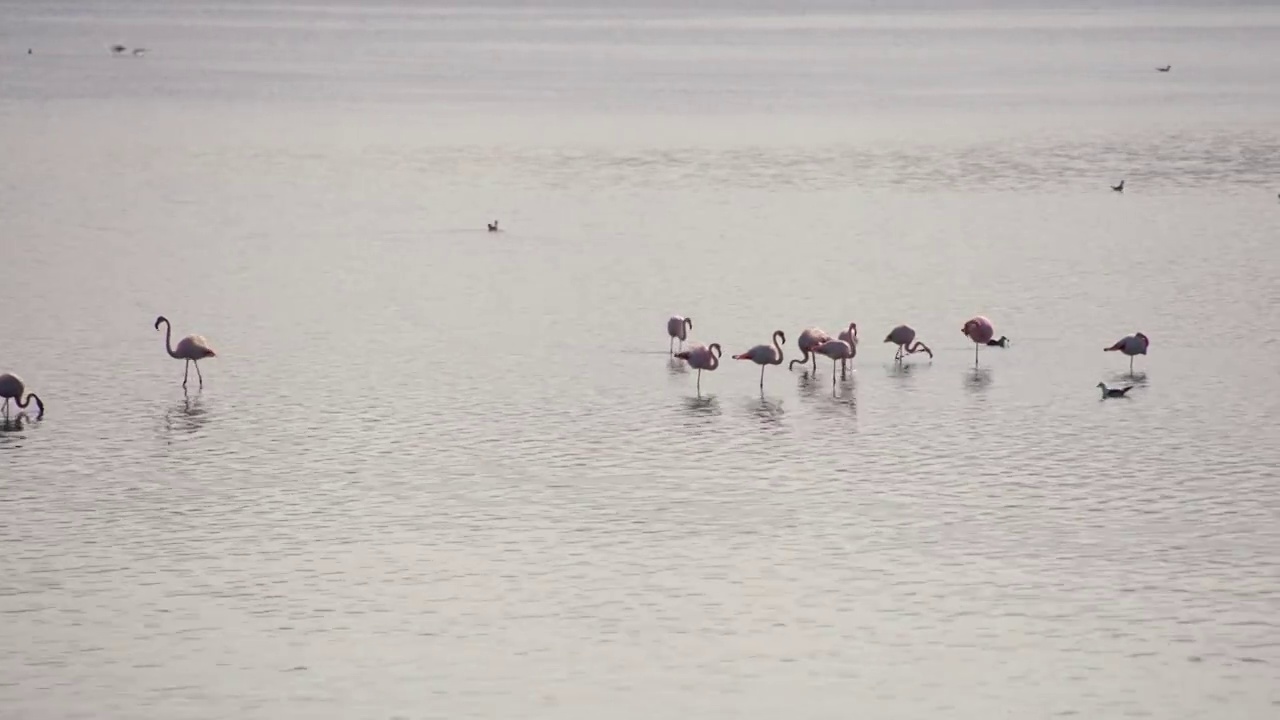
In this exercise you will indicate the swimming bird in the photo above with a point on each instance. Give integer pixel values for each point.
(1002, 342)
(11, 388)
(1118, 188)
(117, 49)
(1114, 392)
(493, 226)
(902, 337)
(763, 355)
(1131, 345)
(979, 330)
(836, 350)
(702, 357)
(192, 348)
(1167, 68)
(809, 339)
(678, 328)
(139, 52)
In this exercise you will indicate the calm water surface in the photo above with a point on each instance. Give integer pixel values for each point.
(437, 472)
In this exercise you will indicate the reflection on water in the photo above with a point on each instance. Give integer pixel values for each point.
(1124, 377)
(705, 406)
(15, 423)
(677, 367)
(768, 412)
(977, 379)
(186, 416)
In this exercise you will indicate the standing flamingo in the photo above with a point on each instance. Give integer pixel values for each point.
(763, 355)
(850, 335)
(678, 328)
(810, 338)
(837, 350)
(902, 337)
(980, 331)
(702, 357)
(1135, 344)
(11, 388)
(192, 348)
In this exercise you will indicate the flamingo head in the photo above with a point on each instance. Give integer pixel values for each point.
(161, 319)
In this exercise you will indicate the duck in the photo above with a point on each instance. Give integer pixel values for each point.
(1114, 392)
(1002, 342)
(1118, 188)
(493, 226)
(1166, 68)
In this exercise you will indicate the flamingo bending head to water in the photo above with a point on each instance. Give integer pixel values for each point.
(678, 328)
(1131, 345)
(12, 388)
(980, 330)
(902, 336)
(810, 338)
(192, 349)
(764, 355)
(840, 350)
(701, 357)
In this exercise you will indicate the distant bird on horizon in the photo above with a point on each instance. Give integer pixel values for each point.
(117, 49)
(1166, 68)
(192, 348)
(764, 355)
(1131, 345)
(1114, 392)
(1118, 188)
(139, 52)
(493, 226)
(11, 388)
(1002, 342)
(701, 357)
(980, 330)
(902, 337)
(678, 328)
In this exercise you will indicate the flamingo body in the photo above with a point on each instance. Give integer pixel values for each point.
(764, 355)
(12, 388)
(837, 350)
(809, 339)
(678, 328)
(192, 349)
(701, 357)
(1131, 345)
(902, 336)
(980, 330)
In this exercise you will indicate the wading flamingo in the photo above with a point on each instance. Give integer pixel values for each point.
(1135, 344)
(11, 388)
(810, 338)
(678, 328)
(980, 331)
(836, 350)
(702, 357)
(764, 355)
(192, 348)
(902, 336)
(850, 335)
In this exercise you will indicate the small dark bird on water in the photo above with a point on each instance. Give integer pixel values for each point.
(1002, 342)
(1166, 68)
(493, 226)
(1114, 392)
(1118, 188)
(117, 49)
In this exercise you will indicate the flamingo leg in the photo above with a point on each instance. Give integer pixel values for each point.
(671, 347)
(186, 368)
(197, 364)
(814, 358)
(833, 377)
(6, 407)
(762, 378)
(975, 354)
(699, 382)
(1130, 364)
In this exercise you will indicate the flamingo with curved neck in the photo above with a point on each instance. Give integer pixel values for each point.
(701, 357)
(902, 336)
(678, 328)
(192, 349)
(12, 388)
(849, 335)
(809, 339)
(764, 355)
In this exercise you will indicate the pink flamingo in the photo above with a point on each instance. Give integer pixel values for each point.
(980, 330)
(850, 335)
(192, 348)
(902, 336)
(1131, 345)
(702, 357)
(838, 350)
(678, 327)
(763, 355)
(11, 388)
(810, 338)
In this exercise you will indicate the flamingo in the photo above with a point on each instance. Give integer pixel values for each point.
(1135, 344)
(980, 331)
(1118, 188)
(1114, 392)
(192, 348)
(810, 338)
(902, 337)
(11, 388)
(849, 335)
(678, 327)
(763, 355)
(702, 357)
(838, 350)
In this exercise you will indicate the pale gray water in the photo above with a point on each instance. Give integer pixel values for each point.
(436, 472)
